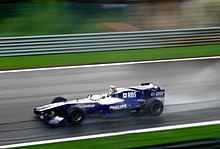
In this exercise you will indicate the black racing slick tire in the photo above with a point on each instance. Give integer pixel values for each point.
(75, 115)
(155, 107)
(59, 99)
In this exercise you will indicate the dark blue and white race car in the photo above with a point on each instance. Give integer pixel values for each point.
(145, 99)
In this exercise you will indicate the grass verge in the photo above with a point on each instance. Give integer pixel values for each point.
(22, 62)
(140, 140)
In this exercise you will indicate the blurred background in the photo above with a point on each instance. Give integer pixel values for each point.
(42, 17)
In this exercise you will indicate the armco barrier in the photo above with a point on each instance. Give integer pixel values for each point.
(70, 43)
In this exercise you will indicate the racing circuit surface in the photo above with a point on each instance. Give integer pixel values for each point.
(192, 95)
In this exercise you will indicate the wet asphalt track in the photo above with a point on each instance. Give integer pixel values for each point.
(192, 95)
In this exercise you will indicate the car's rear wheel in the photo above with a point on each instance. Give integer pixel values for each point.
(155, 107)
(75, 115)
(59, 99)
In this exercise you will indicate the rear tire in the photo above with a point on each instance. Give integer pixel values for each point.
(155, 107)
(75, 115)
(59, 99)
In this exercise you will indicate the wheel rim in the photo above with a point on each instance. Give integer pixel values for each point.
(76, 116)
(156, 108)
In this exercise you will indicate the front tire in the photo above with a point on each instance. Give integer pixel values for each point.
(75, 115)
(59, 99)
(155, 107)
(60, 111)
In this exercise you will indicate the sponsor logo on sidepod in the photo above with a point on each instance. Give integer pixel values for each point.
(118, 107)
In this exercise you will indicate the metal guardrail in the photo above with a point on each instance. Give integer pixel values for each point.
(70, 43)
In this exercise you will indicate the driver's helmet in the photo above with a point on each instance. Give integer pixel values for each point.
(112, 89)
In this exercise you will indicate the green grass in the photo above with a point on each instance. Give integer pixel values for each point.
(139, 140)
(22, 62)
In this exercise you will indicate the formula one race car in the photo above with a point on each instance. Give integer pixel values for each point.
(145, 99)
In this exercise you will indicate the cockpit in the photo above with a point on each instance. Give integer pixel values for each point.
(111, 91)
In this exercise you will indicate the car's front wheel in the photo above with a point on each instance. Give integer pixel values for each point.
(59, 99)
(75, 115)
(155, 107)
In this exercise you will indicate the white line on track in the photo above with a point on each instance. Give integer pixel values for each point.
(181, 126)
(110, 64)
